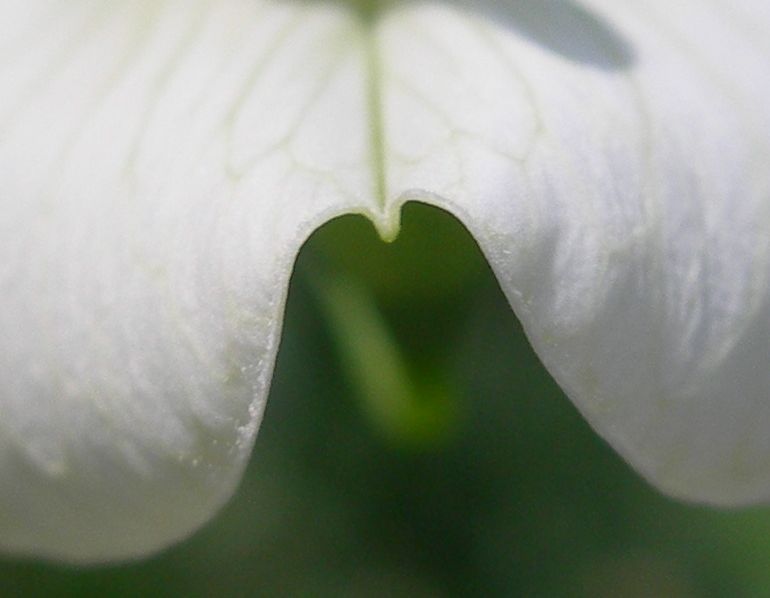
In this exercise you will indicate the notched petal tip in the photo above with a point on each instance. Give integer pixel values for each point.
(161, 166)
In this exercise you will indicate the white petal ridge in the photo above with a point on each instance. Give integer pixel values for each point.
(161, 163)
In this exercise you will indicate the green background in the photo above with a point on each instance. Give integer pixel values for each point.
(467, 472)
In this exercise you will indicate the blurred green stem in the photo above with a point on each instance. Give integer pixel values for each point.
(412, 409)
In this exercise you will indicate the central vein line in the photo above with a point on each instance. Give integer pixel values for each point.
(375, 111)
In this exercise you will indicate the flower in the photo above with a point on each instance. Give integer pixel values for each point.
(162, 162)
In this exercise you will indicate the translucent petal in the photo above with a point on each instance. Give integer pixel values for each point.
(161, 163)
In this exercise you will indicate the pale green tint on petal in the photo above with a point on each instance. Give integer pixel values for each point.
(161, 163)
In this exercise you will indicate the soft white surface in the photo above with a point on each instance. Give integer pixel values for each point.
(161, 163)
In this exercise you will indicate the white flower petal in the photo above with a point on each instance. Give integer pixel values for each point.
(160, 165)
(622, 196)
(161, 162)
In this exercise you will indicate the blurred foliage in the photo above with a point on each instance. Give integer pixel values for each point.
(521, 498)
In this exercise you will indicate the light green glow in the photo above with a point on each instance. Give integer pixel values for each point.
(407, 410)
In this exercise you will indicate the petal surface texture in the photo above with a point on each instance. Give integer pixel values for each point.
(162, 162)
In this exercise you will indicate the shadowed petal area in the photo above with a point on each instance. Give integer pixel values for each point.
(564, 27)
(161, 163)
